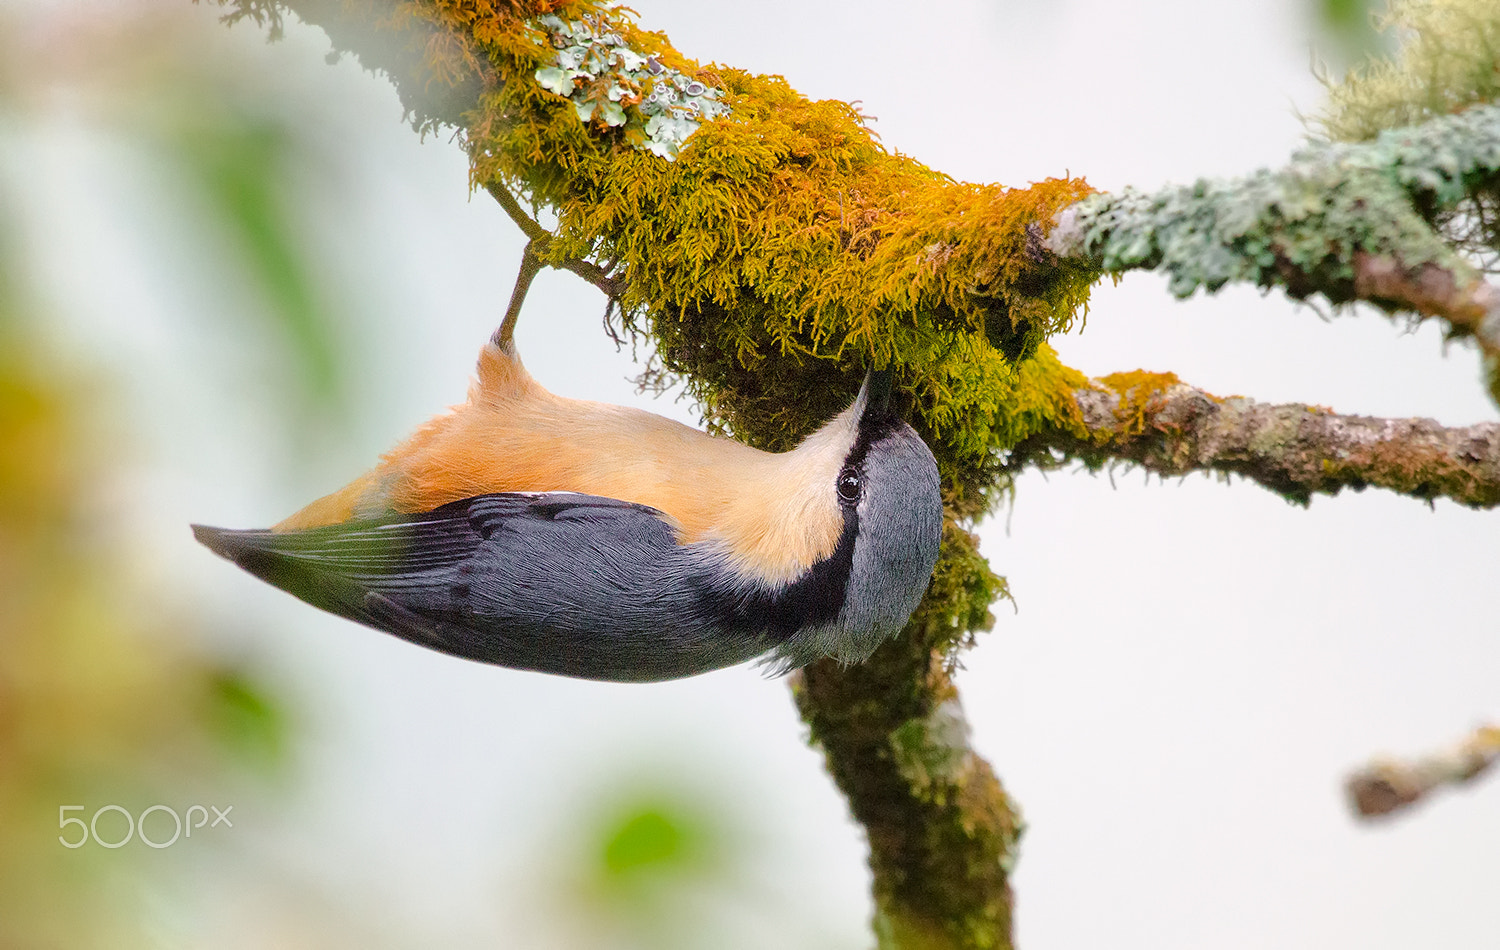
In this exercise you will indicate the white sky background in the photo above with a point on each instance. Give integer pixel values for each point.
(1193, 667)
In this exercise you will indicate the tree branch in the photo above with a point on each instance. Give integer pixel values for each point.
(524, 221)
(1385, 786)
(1470, 304)
(1348, 221)
(943, 834)
(506, 332)
(1170, 428)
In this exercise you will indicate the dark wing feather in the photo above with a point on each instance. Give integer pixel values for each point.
(555, 581)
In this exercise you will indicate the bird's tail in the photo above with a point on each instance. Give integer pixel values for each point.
(288, 560)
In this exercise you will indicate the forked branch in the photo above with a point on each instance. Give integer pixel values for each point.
(539, 238)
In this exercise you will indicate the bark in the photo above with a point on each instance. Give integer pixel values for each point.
(1171, 428)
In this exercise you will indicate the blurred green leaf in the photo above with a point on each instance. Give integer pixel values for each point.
(652, 843)
(1345, 14)
(654, 860)
(647, 840)
(245, 721)
(1349, 24)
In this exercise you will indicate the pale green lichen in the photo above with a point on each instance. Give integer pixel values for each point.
(1279, 435)
(1446, 61)
(1299, 226)
(595, 68)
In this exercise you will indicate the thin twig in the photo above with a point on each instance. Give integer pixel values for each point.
(594, 274)
(524, 221)
(541, 237)
(530, 264)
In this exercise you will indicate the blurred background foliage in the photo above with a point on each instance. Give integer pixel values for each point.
(117, 688)
(104, 696)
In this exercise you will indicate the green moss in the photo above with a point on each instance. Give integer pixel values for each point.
(931, 751)
(782, 237)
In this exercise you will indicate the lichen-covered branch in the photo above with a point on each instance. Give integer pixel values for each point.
(1442, 61)
(1386, 785)
(1348, 221)
(1171, 428)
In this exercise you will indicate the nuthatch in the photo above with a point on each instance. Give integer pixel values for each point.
(597, 541)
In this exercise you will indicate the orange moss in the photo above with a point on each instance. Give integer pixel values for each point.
(1142, 395)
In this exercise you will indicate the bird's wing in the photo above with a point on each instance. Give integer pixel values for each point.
(387, 554)
(555, 581)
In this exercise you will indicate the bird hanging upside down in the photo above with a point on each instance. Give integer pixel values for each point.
(597, 541)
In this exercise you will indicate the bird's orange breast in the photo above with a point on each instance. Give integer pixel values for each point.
(774, 513)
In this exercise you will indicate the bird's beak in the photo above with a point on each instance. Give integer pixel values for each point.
(876, 393)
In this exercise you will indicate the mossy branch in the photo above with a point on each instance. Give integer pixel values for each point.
(943, 834)
(1170, 428)
(1347, 221)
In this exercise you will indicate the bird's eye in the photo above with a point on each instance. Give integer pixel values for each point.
(848, 485)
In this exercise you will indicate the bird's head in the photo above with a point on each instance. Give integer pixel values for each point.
(887, 489)
(900, 517)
